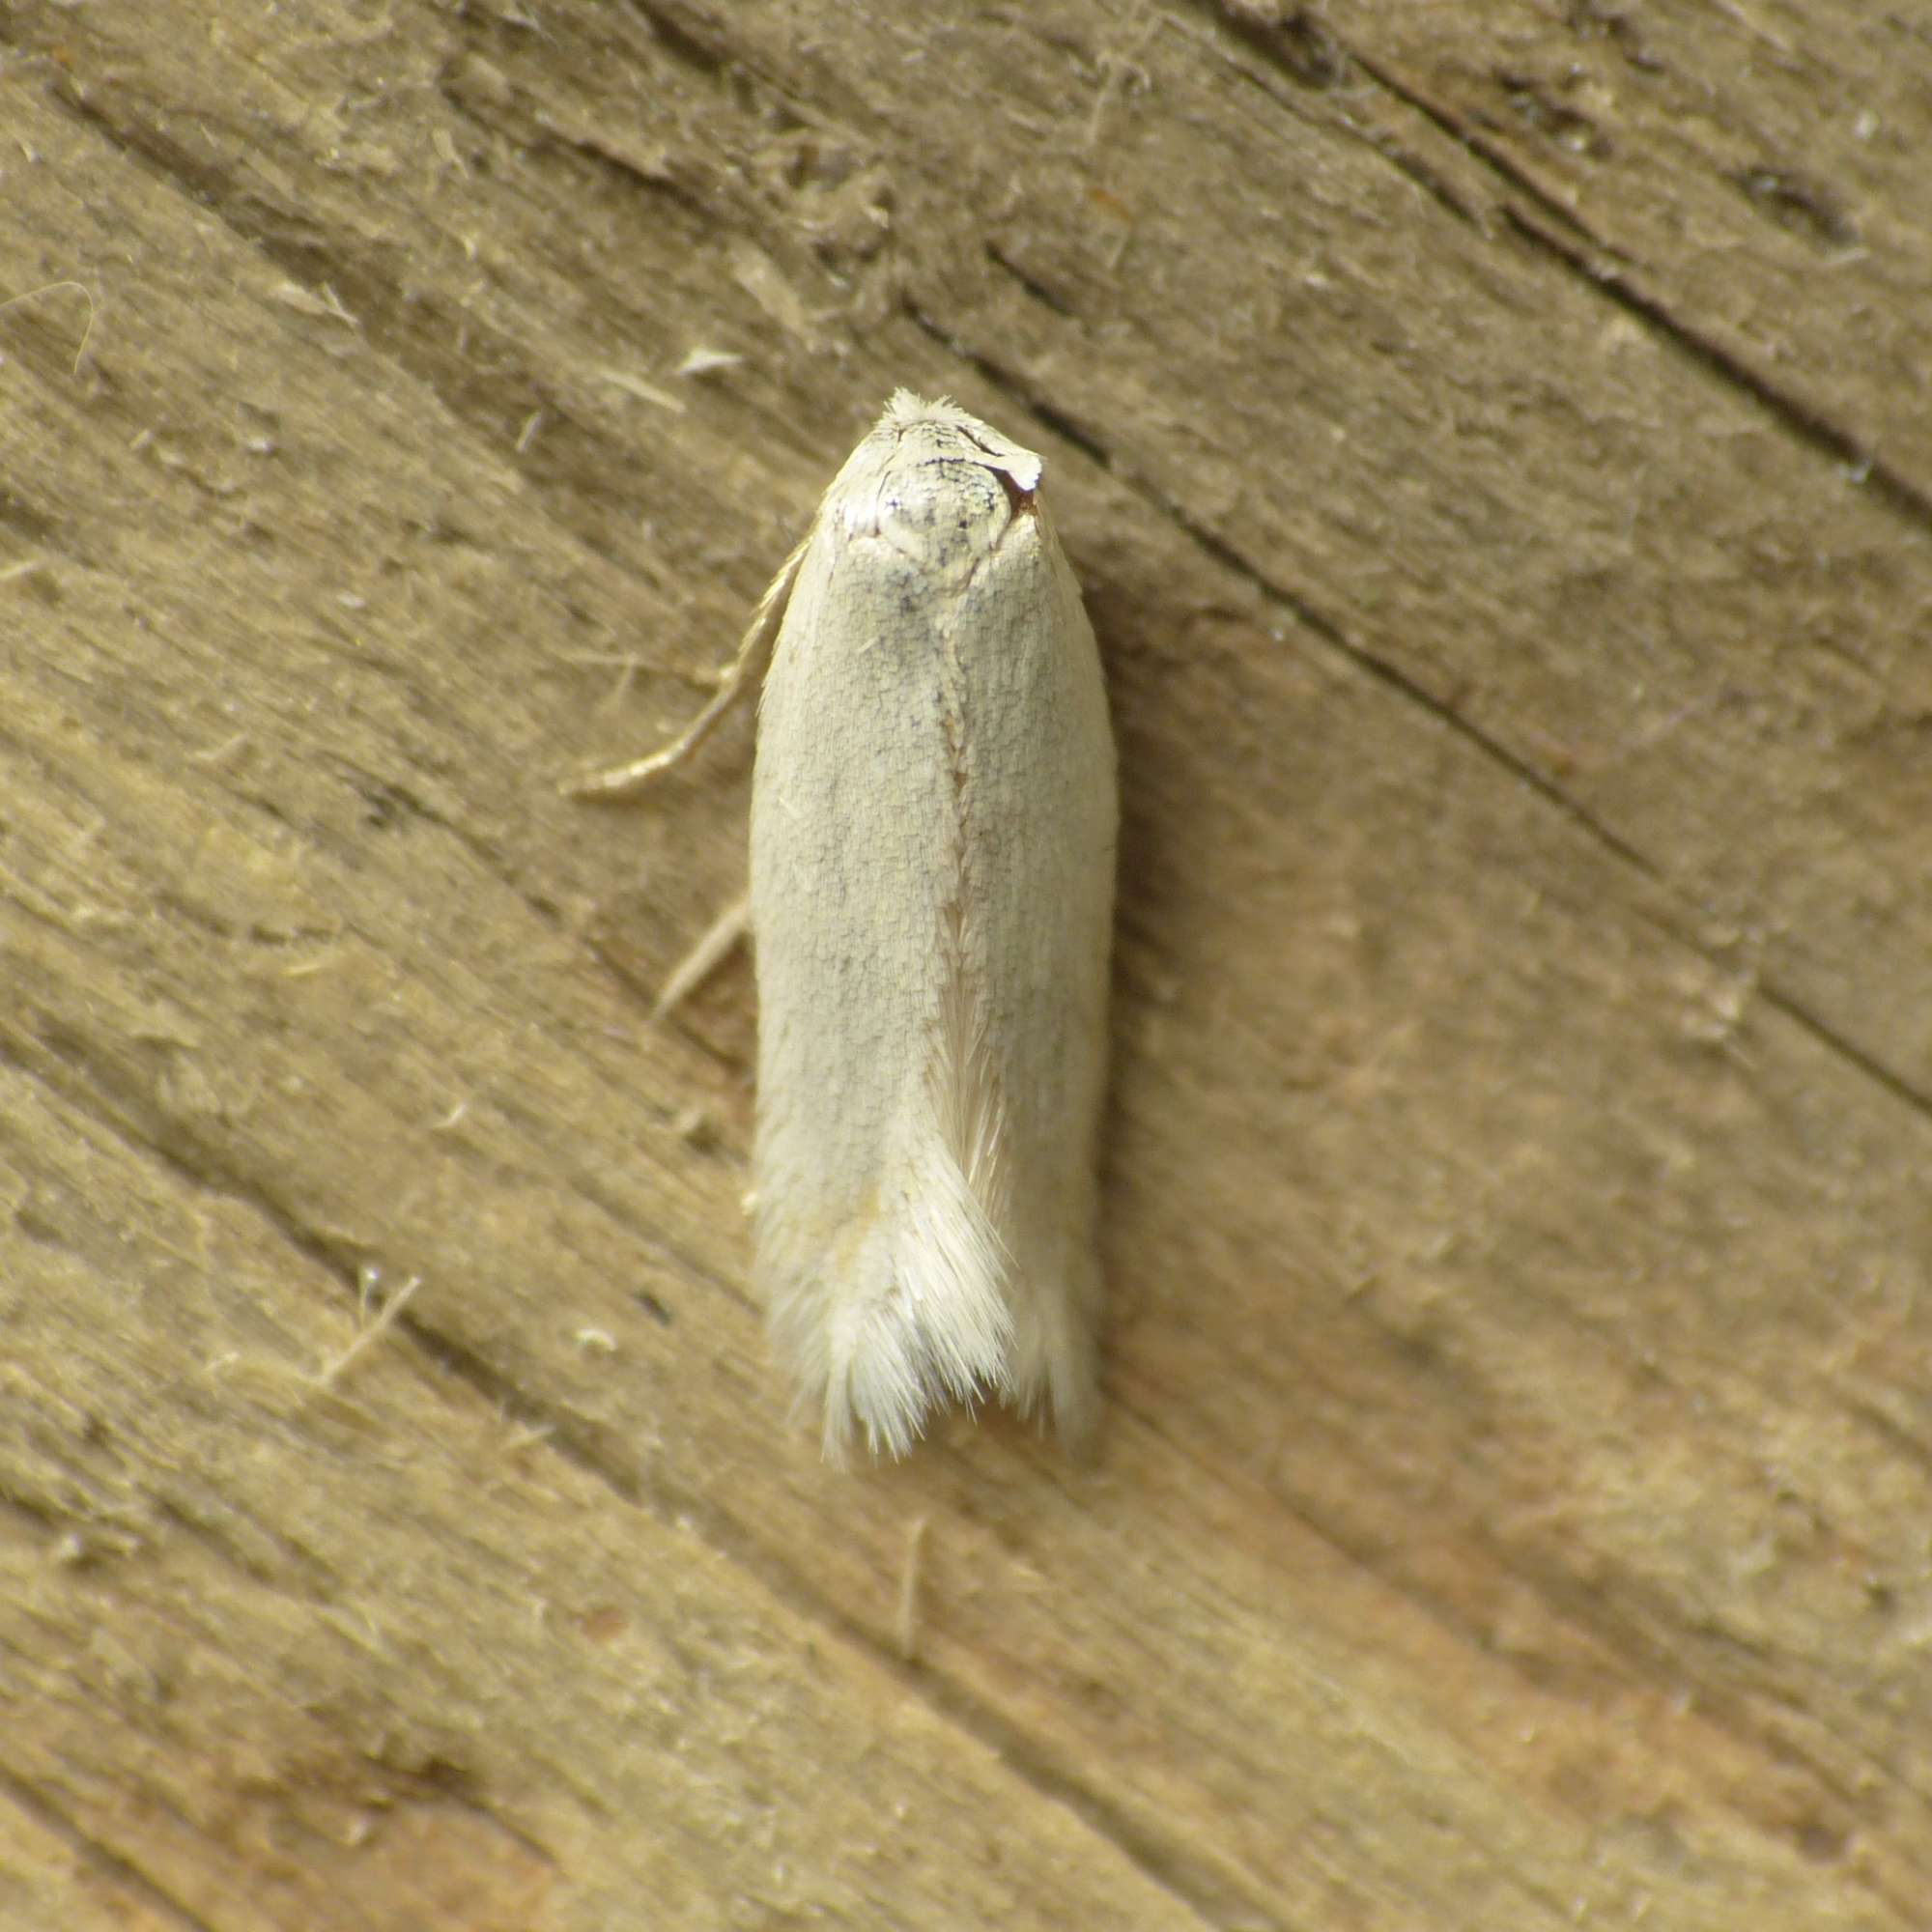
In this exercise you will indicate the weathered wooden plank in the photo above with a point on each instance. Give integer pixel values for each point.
(1514, 1498)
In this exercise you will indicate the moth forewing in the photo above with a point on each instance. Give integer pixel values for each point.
(934, 823)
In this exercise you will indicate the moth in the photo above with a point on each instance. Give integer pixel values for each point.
(934, 816)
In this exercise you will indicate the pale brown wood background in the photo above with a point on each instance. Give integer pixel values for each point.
(1496, 441)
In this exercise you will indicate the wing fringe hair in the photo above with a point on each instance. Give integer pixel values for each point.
(928, 1318)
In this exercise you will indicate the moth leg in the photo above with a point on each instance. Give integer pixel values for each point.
(625, 781)
(728, 929)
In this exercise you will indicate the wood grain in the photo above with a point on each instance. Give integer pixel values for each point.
(1496, 445)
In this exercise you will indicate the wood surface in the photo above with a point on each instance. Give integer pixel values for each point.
(1496, 443)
